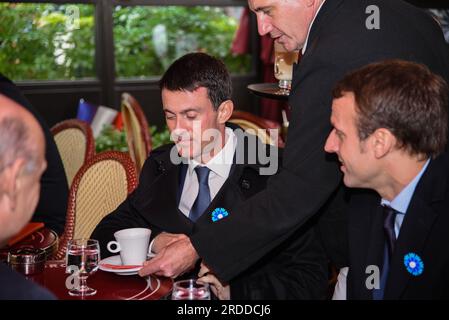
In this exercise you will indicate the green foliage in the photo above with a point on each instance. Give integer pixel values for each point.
(38, 42)
(188, 29)
(44, 41)
(159, 138)
(112, 139)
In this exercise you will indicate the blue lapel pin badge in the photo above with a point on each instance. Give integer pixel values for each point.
(219, 213)
(414, 264)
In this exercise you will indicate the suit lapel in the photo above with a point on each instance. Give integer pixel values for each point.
(415, 230)
(300, 71)
(228, 195)
(327, 10)
(159, 204)
(416, 226)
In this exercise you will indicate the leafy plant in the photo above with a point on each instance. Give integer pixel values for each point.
(38, 41)
(159, 138)
(110, 138)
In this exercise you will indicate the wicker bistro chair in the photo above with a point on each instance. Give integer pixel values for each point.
(75, 143)
(98, 188)
(136, 129)
(257, 125)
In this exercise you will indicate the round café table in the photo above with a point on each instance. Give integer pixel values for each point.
(109, 286)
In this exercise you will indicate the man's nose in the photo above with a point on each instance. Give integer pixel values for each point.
(179, 123)
(263, 25)
(331, 146)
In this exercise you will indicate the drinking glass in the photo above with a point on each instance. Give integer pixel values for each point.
(83, 256)
(190, 290)
(283, 67)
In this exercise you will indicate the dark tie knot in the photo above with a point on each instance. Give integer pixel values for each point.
(389, 220)
(202, 174)
(389, 217)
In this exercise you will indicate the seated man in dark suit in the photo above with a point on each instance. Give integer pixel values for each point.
(390, 124)
(52, 206)
(22, 162)
(210, 167)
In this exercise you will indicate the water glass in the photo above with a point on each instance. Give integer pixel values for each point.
(82, 258)
(190, 290)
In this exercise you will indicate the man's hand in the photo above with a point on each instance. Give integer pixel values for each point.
(164, 239)
(173, 260)
(222, 291)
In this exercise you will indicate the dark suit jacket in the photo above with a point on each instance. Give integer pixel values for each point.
(14, 286)
(52, 206)
(296, 269)
(424, 231)
(338, 43)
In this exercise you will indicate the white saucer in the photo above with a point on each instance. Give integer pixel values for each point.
(117, 261)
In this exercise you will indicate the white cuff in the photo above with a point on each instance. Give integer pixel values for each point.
(340, 287)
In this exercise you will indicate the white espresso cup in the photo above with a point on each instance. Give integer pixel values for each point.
(132, 244)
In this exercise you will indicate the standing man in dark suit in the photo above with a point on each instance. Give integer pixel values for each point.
(390, 130)
(206, 175)
(52, 206)
(22, 162)
(335, 36)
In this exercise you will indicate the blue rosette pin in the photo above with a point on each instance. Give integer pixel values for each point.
(219, 213)
(414, 264)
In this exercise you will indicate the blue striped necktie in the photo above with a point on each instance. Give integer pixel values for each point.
(203, 199)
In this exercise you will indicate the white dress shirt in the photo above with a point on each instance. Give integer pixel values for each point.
(219, 166)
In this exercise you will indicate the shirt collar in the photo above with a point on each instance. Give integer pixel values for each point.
(221, 163)
(401, 202)
(310, 27)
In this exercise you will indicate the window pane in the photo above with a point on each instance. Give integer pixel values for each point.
(148, 39)
(47, 41)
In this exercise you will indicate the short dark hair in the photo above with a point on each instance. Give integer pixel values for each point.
(14, 144)
(195, 70)
(403, 97)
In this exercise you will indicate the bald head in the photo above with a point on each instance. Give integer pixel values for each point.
(22, 162)
(20, 134)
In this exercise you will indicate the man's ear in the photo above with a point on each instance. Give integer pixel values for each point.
(383, 142)
(11, 182)
(225, 111)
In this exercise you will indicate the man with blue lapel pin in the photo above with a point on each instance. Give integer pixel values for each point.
(390, 124)
(210, 169)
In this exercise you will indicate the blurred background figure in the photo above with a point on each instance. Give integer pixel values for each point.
(22, 162)
(52, 206)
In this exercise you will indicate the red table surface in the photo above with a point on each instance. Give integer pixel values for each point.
(109, 285)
